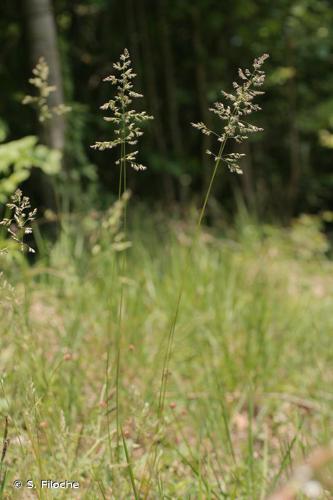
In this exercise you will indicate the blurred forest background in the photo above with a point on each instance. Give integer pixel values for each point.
(184, 53)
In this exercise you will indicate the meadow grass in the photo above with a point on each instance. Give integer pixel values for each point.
(249, 389)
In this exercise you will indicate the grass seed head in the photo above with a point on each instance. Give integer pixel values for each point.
(40, 81)
(234, 111)
(18, 224)
(127, 122)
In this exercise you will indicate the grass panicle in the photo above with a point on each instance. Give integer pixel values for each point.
(126, 120)
(233, 113)
(18, 224)
(40, 80)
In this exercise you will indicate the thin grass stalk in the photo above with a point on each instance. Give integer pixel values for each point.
(250, 445)
(286, 460)
(166, 362)
(235, 129)
(108, 357)
(127, 129)
(121, 189)
(3, 471)
(308, 473)
(129, 467)
(184, 276)
(233, 167)
(121, 301)
(107, 390)
(195, 470)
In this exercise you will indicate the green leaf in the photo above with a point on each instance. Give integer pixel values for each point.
(17, 158)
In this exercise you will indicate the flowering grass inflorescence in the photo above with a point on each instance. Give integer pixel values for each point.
(241, 105)
(40, 81)
(127, 121)
(18, 224)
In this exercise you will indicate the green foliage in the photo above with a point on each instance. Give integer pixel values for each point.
(326, 139)
(3, 130)
(18, 157)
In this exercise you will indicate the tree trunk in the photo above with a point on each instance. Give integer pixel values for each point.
(42, 39)
(42, 36)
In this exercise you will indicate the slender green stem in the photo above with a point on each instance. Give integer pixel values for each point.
(166, 362)
(122, 189)
(129, 467)
(107, 388)
(125, 186)
(120, 317)
(211, 182)
(165, 370)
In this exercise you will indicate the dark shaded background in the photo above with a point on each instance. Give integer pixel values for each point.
(184, 53)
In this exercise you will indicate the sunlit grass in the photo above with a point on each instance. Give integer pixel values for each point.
(250, 380)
